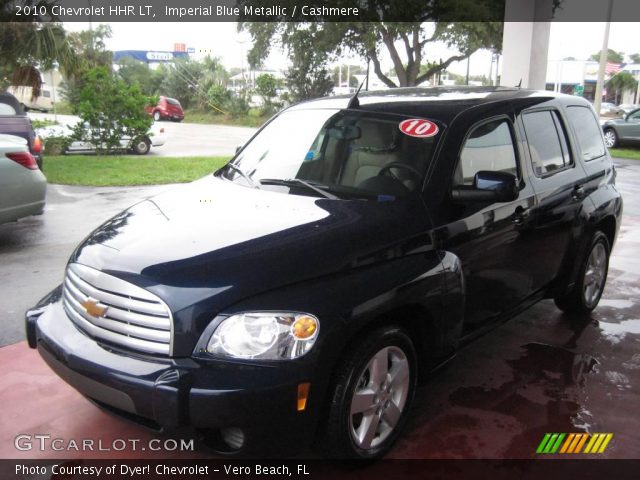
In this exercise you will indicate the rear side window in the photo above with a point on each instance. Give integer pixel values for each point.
(488, 147)
(588, 132)
(7, 109)
(547, 142)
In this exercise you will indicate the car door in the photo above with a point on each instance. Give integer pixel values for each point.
(629, 128)
(559, 183)
(490, 239)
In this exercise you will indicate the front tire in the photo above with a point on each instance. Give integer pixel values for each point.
(584, 296)
(611, 138)
(156, 116)
(372, 396)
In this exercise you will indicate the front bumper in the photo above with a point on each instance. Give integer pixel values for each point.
(171, 394)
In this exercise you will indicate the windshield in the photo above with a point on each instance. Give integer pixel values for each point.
(341, 152)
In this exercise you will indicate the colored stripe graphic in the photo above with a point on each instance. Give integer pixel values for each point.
(573, 443)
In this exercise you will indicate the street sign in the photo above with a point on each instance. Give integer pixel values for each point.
(191, 50)
(578, 90)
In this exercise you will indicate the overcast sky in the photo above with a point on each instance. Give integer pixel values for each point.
(222, 40)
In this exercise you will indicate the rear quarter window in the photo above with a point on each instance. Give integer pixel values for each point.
(587, 132)
(547, 141)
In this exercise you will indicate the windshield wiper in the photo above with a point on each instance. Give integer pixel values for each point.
(243, 175)
(297, 181)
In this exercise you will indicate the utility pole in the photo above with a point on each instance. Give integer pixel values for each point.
(597, 101)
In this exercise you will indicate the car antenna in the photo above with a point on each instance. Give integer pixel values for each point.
(519, 84)
(353, 101)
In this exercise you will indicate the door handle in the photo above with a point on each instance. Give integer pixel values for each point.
(520, 215)
(578, 192)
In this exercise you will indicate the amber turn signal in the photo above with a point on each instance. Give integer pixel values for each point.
(303, 394)
(304, 327)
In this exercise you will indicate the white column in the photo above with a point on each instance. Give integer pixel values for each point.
(525, 43)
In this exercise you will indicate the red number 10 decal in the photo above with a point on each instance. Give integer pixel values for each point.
(417, 127)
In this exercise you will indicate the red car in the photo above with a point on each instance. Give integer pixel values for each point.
(167, 108)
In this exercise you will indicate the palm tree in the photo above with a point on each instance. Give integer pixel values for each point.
(28, 45)
(622, 81)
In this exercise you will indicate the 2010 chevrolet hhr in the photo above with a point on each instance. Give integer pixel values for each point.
(292, 298)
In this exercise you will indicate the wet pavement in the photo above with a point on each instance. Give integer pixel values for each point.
(540, 372)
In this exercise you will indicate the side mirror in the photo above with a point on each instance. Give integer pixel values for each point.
(488, 186)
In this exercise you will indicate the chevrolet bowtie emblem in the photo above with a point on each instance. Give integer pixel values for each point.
(92, 308)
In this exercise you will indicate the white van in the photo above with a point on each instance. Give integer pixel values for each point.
(43, 103)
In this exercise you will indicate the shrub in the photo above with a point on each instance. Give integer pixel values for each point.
(56, 145)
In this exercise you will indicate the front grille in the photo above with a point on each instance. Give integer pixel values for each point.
(121, 313)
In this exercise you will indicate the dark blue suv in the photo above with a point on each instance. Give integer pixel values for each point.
(293, 297)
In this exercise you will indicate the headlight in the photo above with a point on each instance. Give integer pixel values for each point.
(265, 335)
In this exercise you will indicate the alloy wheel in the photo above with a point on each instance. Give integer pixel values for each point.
(379, 397)
(595, 274)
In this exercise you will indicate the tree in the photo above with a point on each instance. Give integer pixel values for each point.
(634, 57)
(90, 50)
(405, 42)
(133, 71)
(111, 109)
(612, 56)
(621, 82)
(267, 87)
(182, 80)
(27, 46)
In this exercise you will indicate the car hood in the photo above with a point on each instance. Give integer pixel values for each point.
(213, 243)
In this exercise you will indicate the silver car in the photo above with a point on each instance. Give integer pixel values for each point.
(23, 187)
(624, 130)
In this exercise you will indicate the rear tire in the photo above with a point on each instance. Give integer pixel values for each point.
(142, 146)
(372, 396)
(585, 294)
(611, 138)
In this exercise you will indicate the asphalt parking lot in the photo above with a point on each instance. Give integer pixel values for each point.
(540, 372)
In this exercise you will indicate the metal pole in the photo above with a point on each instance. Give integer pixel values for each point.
(597, 101)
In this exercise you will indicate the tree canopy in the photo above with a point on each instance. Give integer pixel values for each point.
(406, 43)
(612, 56)
(29, 45)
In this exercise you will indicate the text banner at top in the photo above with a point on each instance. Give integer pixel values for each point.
(316, 10)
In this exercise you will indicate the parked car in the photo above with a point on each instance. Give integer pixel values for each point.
(41, 103)
(624, 130)
(627, 108)
(13, 121)
(609, 110)
(293, 297)
(167, 109)
(23, 187)
(155, 137)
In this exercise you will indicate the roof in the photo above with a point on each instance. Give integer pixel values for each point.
(442, 102)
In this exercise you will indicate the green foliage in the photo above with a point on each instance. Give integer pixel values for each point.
(406, 43)
(612, 56)
(135, 72)
(30, 44)
(90, 50)
(267, 87)
(622, 81)
(56, 145)
(112, 109)
(191, 82)
(36, 123)
(634, 57)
